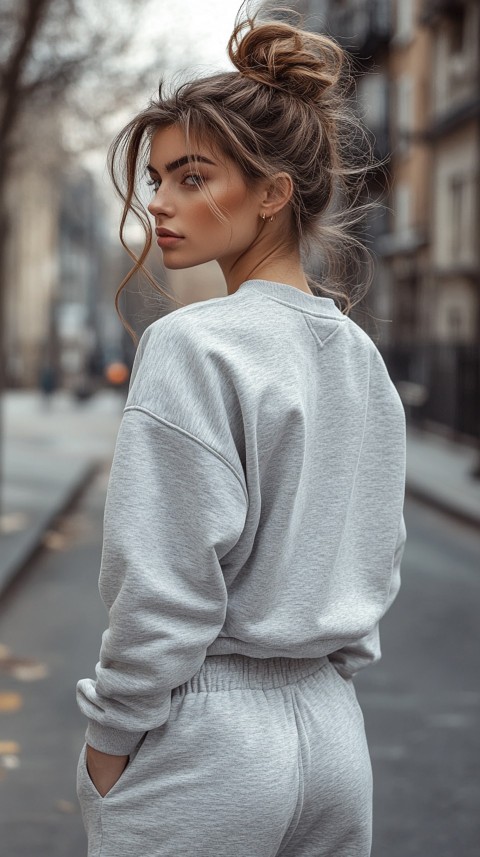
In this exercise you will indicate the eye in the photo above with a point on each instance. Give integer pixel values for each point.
(155, 183)
(198, 179)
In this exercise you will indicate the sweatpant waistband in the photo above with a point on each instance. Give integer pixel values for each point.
(232, 671)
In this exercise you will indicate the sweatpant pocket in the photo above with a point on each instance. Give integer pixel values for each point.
(90, 806)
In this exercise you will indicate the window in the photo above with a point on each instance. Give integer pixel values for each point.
(455, 194)
(456, 31)
(372, 96)
(407, 307)
(402, 206)
(404, 20)
(404, 111)
(455, 322)
(458, 215)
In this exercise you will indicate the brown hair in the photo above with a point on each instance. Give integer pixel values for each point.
(286, 108)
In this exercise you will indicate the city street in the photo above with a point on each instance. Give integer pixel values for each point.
(421, 703)
(368, 114)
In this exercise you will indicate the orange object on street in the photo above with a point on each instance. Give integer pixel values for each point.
(117, 373)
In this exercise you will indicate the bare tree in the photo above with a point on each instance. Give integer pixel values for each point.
(75, 53)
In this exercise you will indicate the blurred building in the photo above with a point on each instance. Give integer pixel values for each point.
(82, 253)
(58, 252)
(417, 64)
(404, 248)
(33, 199)
(451, 305)
(366, 30)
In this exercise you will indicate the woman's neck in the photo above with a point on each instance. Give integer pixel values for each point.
(284, 268)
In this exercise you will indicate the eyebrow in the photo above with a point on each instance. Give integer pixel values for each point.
(174, 165)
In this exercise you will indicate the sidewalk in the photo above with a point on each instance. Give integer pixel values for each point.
(439, 472)
(51, 453)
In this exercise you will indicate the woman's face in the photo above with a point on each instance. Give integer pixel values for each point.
(180, 206)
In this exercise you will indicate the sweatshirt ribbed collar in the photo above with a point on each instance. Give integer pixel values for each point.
(294, 297)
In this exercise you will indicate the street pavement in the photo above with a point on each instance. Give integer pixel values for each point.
(421, 702)
(441, 473)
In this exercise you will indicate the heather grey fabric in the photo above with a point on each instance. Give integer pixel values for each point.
(257, 758)
(255, 507)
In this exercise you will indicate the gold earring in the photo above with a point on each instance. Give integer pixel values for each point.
(272, 218)
(263, 216)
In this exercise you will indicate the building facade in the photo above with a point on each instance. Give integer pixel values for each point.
(450, 311)
(417, 66)
(33, 199)
(57, 252)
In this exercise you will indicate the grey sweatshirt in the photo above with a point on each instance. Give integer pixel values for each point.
(255, 501)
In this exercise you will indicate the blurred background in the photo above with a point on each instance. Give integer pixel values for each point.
(72, 73)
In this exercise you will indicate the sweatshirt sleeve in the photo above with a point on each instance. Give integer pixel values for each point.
(174, 509)
(365, 651)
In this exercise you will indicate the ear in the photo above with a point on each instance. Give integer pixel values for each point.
(277, 194)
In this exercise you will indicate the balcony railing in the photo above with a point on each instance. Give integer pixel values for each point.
(449, 374)
(361, 27)
(430, 9)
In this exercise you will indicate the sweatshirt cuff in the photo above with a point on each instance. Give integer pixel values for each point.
(117, 742)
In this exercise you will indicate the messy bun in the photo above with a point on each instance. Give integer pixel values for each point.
(279, 55)
(285, 107)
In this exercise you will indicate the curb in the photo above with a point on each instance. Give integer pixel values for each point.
(34, 536)
(436, 502)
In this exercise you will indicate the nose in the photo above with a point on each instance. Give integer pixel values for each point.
(160, 204)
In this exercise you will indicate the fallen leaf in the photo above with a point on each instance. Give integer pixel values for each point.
(29, 672)
(9, 747)
(53, 540)
(65, 806)
(9, 761)
(13, 522)
(24, 669)
(10, 701)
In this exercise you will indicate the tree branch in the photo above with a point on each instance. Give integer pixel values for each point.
(35, 11)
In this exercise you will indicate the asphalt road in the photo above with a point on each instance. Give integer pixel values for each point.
(421, 702)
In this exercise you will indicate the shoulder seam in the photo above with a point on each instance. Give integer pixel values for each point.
(206, 446)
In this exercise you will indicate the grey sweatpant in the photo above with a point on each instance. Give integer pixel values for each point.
(259, 757)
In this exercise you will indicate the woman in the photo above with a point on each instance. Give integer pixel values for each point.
(254, 527)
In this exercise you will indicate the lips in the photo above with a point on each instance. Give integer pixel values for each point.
(167, 233)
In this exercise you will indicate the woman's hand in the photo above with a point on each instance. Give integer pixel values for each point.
(104, 769)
